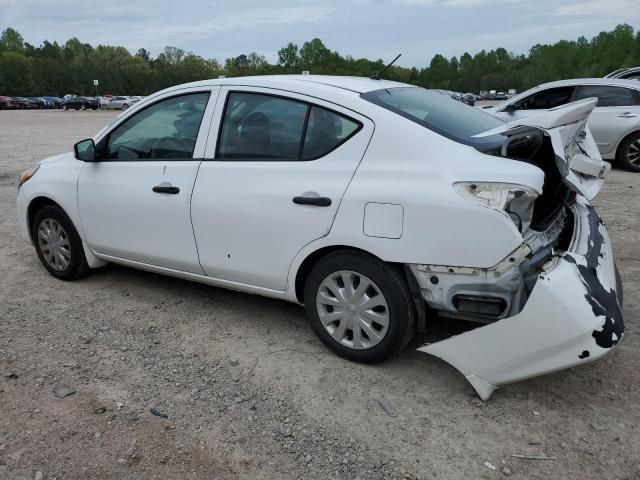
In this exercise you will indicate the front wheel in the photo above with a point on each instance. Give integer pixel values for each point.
(359, 306)
(629, 153)
(58, 244)
(83, 107)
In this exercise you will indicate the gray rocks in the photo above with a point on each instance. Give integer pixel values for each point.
(63, 391)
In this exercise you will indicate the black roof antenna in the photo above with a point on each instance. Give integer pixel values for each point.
(378, 76)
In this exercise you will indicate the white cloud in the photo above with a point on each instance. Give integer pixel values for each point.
(608, 8)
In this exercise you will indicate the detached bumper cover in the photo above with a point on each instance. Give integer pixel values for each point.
(572, 316)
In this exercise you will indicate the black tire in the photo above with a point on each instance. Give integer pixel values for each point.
(65, 108)
(392, 286)
(125, 106)
(83, 107)
(78, 266)
(632, 142)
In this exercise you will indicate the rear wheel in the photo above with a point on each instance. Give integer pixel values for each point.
(125, 106)
(58, 244)
(359, 306)
(83, 107)
(65, 108)
(629, 152)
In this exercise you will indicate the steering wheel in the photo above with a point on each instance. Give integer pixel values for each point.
(173, 147)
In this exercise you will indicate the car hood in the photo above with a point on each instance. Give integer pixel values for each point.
(56, 158)
(576, 153)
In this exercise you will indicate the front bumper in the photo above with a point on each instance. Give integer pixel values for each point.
(21, 207)
(572, 316)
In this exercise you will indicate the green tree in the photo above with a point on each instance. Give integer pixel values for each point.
(11, 41)
(288, 56)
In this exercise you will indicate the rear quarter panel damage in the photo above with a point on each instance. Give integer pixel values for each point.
(572, 316)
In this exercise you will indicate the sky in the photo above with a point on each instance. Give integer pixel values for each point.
(362, 28)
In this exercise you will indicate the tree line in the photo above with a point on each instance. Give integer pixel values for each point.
(57, 69)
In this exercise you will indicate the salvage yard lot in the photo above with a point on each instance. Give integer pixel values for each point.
(251, 393)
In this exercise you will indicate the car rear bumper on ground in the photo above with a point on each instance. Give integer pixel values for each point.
(572, 316)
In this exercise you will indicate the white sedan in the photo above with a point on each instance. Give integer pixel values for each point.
(614, 123)
(375, 204)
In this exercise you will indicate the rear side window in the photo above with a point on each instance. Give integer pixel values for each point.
(608, 96)
(550, 98)
(265, 127)
(326, 130)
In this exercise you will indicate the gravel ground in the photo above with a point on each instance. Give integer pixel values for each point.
(248, 390)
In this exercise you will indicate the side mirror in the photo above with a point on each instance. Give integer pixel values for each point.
(510, 108)
(85, 150)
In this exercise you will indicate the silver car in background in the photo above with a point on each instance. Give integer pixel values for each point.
(614, 123)
(119, 103)
(632, 73)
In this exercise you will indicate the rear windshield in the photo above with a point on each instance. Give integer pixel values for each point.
(446, 116)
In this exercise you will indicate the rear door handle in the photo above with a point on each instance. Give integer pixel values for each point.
(166, 188)
(628, 115)
(316, 201)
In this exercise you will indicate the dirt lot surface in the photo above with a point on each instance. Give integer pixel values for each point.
(248, 390)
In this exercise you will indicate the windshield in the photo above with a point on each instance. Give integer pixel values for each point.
(446, 116)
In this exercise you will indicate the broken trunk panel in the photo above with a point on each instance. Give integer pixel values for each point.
(573, 308)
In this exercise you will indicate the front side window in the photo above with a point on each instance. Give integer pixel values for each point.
(607, 95)
(266, 127)
(167, 129)
(546, 99)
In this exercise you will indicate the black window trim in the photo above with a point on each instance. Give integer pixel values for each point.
(309, 106)
(101, 145)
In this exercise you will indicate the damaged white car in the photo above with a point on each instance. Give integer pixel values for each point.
(379, 206)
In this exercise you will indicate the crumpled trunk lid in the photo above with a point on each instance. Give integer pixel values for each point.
(576, 153)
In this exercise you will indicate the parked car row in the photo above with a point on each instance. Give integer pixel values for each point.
(68, 102)
(23, 103)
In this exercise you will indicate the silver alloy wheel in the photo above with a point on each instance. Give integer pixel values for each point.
(54, 244)
(352, 309)
(633, 153)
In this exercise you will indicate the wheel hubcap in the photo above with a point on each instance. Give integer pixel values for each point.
(633, 153)
(54, 244)
(352, 309)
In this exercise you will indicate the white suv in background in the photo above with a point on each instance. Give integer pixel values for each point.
(614, 123)
(377, 205)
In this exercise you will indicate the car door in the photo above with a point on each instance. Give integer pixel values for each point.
(275, 173)
(536, 103)
(616, 115)
(134, 200)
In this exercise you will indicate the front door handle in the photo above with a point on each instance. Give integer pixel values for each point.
(315, 201)
(166, 188)
(628, 115)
